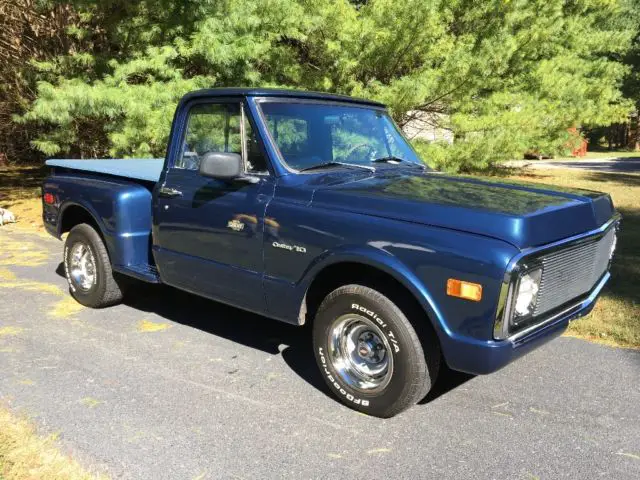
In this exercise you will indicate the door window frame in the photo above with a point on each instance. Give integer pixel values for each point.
(183, 124)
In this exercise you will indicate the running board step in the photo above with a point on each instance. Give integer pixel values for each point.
(143, 271)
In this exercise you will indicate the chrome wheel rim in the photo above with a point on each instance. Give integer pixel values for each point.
(82, 266)
(360, 353)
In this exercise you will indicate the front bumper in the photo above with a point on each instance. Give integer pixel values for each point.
(478, 357)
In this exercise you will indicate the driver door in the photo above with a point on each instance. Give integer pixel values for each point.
(209, 232)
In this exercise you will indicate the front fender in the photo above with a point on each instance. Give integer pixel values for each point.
(382, 260)
(418, 256)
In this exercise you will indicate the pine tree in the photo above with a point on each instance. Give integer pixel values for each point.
(502, 76)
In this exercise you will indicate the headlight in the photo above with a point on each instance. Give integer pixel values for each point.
(526, 294)
(518, 299)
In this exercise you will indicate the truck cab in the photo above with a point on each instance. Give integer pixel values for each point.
(313, 209)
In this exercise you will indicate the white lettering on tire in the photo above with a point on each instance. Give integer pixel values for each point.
(342, 391)
(66, 269)
(390, 336)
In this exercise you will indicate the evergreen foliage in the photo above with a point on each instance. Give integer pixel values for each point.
(504, 76)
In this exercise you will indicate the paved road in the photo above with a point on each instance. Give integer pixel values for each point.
(217, 393)
(614, 165)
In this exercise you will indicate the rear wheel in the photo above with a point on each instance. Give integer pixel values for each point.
(88, 268)
(370, 354)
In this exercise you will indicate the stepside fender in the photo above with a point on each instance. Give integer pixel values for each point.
(122, 211)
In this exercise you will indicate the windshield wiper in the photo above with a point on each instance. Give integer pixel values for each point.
(395, 160)
(336, 164)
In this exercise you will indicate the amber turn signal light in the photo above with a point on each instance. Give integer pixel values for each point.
(462, 289)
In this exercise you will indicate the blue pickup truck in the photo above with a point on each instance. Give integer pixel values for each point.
(312, 208)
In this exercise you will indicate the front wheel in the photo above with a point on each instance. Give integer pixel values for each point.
(88, 268)
(370, 354)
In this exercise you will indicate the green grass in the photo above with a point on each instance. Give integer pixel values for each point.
(615, 319)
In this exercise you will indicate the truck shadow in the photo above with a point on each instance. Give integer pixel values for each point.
(447, 380)
(251, 330)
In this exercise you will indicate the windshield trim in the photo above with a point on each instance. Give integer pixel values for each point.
(260, 100)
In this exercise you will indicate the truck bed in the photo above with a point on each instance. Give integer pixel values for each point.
(147, 169)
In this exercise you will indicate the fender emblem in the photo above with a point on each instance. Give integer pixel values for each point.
(291, 248)
(235, 225)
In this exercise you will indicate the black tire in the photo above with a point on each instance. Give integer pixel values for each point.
(104, 291)
(414, 359)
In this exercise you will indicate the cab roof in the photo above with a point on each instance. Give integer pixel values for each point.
(277, 92)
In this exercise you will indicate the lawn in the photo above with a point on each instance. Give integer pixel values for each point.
(601, 154)
(20, 193)
(616, 317)
(26, 455)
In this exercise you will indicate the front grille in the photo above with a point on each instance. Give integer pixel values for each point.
(572, 271)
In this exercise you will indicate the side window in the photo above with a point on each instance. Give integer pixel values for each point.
(255, 163)
(210, 128)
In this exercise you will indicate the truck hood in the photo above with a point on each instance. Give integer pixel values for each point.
(523, 214)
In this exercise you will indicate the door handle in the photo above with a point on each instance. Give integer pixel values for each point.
(169, 192)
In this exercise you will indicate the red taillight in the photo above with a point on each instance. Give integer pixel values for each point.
(49, 198)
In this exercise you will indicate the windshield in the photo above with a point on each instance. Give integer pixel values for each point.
(313, 134)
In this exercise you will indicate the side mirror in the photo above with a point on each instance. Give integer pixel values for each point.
(222, 165)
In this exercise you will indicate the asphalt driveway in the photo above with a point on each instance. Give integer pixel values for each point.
(169, 386)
